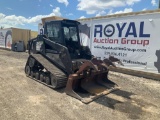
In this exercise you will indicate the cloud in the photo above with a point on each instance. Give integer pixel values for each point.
(69, 14)
(94, 6)
(131, 2)
(126, 10)
(82, 17)
(2, 15)
(19, 21)
(51, 5)
(9, 8)
(63, 1)
(144, 9)
(153, 2)
(100, 13)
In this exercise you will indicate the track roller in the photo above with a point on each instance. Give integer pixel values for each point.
(37, 75)
(42, 77)
(27, 70)
(32, 74)
(47, 80)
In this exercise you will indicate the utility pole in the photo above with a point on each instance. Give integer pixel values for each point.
(159, 5)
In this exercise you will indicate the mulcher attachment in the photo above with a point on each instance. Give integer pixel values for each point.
(91, 78)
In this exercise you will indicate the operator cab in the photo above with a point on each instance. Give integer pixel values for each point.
(62, 31)
(65, 32)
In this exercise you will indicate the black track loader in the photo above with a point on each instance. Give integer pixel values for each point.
(57, 59)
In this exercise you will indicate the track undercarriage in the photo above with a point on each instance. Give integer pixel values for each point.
(88, 83)
(49, 75)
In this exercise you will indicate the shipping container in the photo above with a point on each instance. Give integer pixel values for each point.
(21, 35)
(10, 36)
(34, 34)
(134, 38)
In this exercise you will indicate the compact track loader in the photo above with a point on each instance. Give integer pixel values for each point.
(57, 59)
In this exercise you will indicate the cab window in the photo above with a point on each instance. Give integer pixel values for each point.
(70, 33)
(53, 32)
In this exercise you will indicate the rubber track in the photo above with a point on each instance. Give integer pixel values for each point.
(59, 74)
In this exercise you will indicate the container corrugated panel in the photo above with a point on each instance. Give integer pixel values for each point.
(21, 35)
(34, 34)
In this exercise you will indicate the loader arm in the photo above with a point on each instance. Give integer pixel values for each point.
(55, 48)
(63, 54)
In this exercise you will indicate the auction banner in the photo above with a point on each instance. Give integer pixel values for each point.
(5, 38)
(135, 40)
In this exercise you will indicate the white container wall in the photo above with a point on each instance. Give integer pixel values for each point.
(5, 38)
(134, 39)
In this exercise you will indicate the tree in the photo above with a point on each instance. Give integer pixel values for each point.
(2, 27)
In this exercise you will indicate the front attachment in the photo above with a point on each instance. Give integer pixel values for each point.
(90, 82)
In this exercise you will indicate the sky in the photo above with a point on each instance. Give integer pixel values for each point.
(27, 14)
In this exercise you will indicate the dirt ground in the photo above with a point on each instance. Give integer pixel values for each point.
(22, 98)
